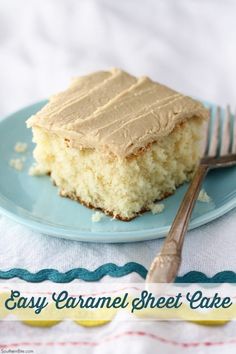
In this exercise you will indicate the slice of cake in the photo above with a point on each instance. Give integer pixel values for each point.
(118, 143)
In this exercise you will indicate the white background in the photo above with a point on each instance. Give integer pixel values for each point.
(187, 44)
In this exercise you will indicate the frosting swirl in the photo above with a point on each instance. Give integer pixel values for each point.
(115, 112)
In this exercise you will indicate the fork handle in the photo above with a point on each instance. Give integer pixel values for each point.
(165, 266)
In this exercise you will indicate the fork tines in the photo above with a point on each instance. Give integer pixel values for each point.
(221, 134)
(234, 135)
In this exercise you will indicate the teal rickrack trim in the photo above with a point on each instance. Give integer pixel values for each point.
(112, 270)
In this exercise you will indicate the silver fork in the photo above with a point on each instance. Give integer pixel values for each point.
(220, 151)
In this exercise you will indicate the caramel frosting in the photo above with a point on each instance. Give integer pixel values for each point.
(115, 112)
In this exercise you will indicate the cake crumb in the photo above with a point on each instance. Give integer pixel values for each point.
(20, 147)
(156, 208)
(97, 216)
(36, 170)
(18, 164)
(203, 197)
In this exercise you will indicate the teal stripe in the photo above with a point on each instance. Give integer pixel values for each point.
(112, 270)
(54, 275)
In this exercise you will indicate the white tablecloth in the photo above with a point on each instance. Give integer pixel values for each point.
(189, 45)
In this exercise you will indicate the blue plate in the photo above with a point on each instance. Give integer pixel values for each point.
(34, 201)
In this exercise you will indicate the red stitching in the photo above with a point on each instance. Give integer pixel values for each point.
(118, 336)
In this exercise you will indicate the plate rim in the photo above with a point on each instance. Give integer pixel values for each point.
(124, 236)
(107, 236)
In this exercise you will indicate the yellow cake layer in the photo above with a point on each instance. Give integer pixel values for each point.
(121, 187)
